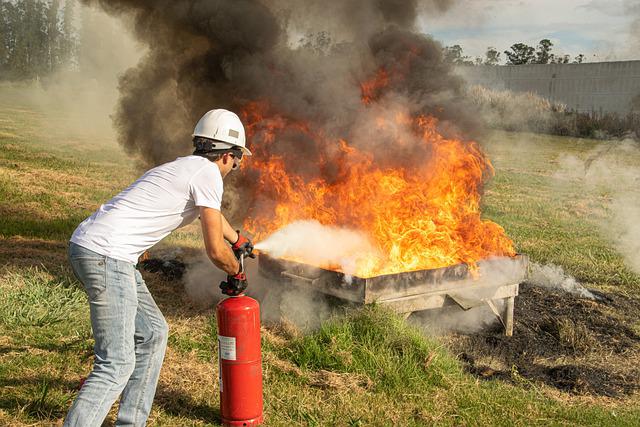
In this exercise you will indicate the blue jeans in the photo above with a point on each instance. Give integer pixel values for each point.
(130, 341)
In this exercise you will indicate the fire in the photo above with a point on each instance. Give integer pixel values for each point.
(370, 89)
(421, 215)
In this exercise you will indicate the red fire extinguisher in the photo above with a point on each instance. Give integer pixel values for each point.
(239, 360)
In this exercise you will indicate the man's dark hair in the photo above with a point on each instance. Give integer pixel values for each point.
(211, 155)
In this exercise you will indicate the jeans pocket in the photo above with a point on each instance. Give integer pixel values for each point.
(92, 273)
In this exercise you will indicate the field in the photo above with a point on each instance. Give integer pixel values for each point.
(572, 361)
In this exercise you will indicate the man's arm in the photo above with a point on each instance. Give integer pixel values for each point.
(217, 250)
(228, 232)
(239, 244)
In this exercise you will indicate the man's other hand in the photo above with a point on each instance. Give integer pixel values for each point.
(243, 246)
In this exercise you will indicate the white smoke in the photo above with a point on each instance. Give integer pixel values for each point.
(611, 171)
(202, 281)
(554, 277)
(626, 234)
(325, 245)
(278, 300)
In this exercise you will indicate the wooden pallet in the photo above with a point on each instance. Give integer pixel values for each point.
(495, 279)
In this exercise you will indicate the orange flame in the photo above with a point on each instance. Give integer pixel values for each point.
(370, 89)
(419, 217)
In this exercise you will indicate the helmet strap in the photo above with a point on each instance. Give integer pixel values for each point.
(206, 145)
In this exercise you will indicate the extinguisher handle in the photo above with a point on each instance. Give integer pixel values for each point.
(236, 284)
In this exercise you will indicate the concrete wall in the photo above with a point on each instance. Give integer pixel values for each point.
(601, 87)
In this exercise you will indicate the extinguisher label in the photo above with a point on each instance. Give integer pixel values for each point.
(220, 372)
(227, 346)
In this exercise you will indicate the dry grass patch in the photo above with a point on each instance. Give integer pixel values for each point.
(196, 327)
(281, 332)
(340, 382)
(186, 375)
(18, 252)
(31, 210)
(34, 181)
(10, 421)
(284, 366)
(188, 390)
(572, 334)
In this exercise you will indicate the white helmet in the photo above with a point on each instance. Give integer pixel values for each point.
(224, 127)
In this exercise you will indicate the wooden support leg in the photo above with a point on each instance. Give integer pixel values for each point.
(508, 315)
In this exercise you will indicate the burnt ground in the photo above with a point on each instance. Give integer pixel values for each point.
(577, 345)
(172, 269)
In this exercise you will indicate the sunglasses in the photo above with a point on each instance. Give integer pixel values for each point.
(236, 155)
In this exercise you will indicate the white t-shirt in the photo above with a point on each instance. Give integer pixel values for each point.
(163, 199)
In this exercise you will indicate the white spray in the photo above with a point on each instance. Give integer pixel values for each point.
(325, 245)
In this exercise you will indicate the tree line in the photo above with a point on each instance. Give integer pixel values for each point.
(518, 54)
(37, 38)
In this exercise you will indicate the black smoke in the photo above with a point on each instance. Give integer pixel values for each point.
(306, 59)
(215, 53)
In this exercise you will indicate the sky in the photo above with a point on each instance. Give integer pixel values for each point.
(599, 29)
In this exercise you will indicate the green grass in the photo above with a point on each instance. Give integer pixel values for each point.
(199, 345)
(46, 334)
(365, 368)
(350, 346)
(421, 383)
(47, 183)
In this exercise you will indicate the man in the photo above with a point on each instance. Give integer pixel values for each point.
(129, 330)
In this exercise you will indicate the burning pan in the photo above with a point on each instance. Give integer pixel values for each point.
(498, 279)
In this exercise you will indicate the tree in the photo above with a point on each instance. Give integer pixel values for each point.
(520, 54)
(9, 20)
(543, 55)
(53, 36)
(454, 55)
(69, 43)
(579, 59)
(26, 32)
(559, 59)
(24, 35)
(4, 37)
(36, 38)
(492, 56)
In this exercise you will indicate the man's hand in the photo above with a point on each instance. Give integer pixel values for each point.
(243, 246)
(234, 285)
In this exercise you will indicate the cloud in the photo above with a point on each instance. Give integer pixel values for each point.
(575, 26)
(606, 7)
